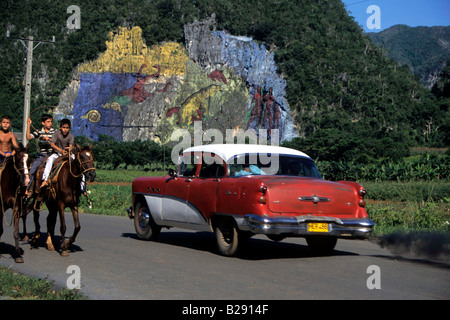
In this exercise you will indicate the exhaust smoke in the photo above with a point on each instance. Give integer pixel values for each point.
(431, 245)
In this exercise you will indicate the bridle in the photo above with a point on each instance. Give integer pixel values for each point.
(83, 168)
(22, 171)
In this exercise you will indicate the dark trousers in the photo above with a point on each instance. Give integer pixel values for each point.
(34, 166)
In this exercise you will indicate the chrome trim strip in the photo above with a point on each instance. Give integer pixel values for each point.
(314, 198)
(298, 225)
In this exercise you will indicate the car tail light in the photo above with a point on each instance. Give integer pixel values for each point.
(263, 189)
(362, 193)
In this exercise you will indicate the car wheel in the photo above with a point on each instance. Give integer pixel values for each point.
(227, 237)
(321, 245)
(145, 226)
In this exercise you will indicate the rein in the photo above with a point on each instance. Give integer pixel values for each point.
(83, 168)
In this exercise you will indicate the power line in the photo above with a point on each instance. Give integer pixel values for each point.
(347, 5)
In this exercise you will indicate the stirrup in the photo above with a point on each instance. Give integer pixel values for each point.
(39, 200)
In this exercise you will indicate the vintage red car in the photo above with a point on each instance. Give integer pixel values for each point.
(238, 190)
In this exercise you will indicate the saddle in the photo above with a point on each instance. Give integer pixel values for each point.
(53, 176)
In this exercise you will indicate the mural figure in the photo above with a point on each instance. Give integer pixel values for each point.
(172, 111)
(276, 115)
(195, 107)
(270, 102)
(257, 102)
(217, 75)
(137, 93)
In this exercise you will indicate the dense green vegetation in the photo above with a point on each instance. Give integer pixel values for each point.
(423, 49)
(138, 154)
(425, 167)
(344, 93)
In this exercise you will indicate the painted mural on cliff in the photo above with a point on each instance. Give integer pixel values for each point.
(137, 92)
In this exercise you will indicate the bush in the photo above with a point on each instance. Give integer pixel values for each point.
(425, 167)
(416, 191)
(409, 216)
(138, 155)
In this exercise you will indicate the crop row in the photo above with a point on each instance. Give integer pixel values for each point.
(427, 167)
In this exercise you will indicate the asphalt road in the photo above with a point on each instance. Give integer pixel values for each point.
(114, 264)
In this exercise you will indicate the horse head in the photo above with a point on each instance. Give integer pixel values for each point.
(86, 161)
(22, 163)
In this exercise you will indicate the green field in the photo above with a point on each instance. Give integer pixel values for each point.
(111, 192)
(409, 206)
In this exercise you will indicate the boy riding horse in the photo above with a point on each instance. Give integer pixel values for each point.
(7, 138)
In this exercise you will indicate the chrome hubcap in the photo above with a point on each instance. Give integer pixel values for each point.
(144, 219)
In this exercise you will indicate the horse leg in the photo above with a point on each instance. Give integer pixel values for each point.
(18, 256)
(1, 224)
(77, 226)
(51, 223)
(37, 228)
(62, 222)
(25, 233)
(24, 214)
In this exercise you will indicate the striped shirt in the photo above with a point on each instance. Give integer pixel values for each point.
(44, 145)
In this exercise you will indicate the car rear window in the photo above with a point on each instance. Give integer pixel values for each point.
(272, 164)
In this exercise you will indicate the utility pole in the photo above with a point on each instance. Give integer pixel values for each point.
(26, 104)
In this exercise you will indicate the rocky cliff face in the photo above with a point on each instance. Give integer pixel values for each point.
(135, 92)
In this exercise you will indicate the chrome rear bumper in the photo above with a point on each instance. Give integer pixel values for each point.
(298, 226)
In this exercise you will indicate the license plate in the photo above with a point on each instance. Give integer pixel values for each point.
(317, 227)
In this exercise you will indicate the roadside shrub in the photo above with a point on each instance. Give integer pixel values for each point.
(136, 155)
(425, 167)
(409, 216)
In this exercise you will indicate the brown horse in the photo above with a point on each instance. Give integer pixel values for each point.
(14, 169)
(64, 192)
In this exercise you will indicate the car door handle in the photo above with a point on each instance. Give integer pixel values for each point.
(188, 180)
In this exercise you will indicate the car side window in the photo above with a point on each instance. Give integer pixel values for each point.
(188, 165)
(212, 166)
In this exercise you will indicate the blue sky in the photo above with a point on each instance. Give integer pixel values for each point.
(410, 12)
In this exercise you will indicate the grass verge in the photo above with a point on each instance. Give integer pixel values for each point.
(16, 286)
(409, 206)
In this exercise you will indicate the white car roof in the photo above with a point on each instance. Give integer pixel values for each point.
(228, 151)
